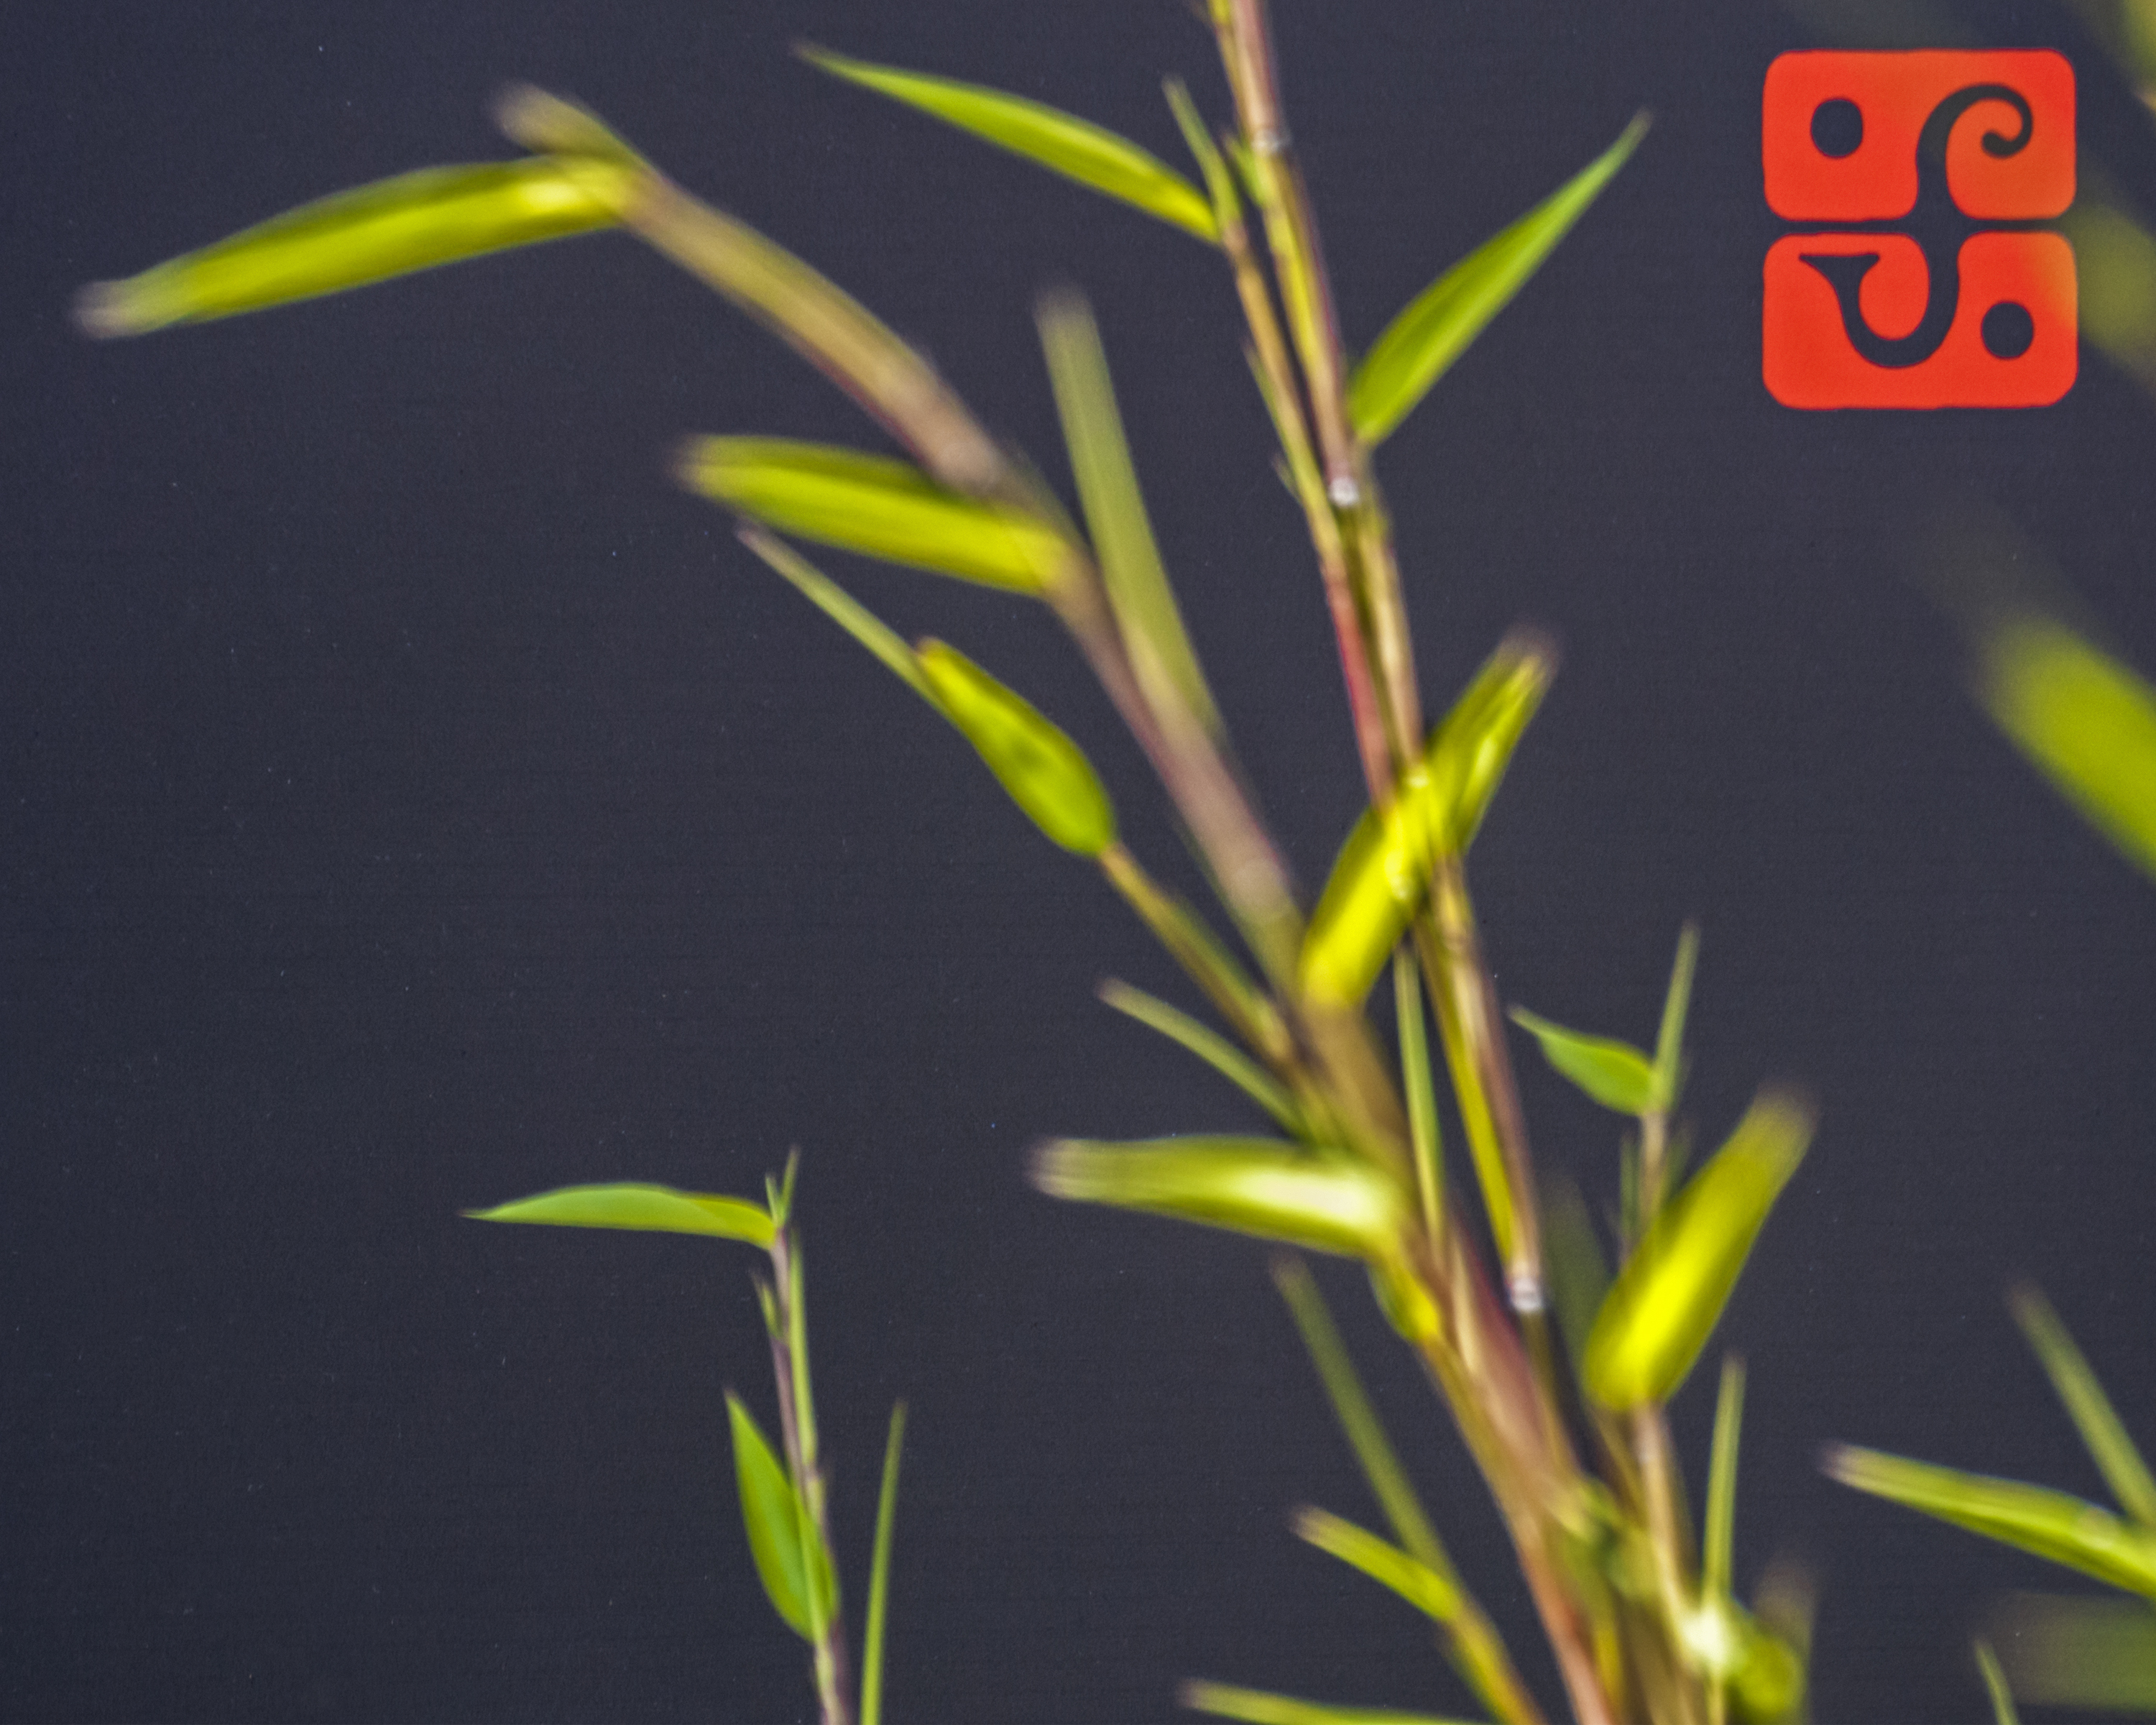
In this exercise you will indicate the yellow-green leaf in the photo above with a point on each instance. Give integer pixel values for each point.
(394, 226)
(1250, 1185)
(842, 609)
(1669, 1297)
(1075, 148)
(1612, 1073)
(2003, 1711)
(2091, 1409)
(1422, 1587)
(2086, 722)
(656, 1209)
(2088, 1651)
(790, 1560)
(1222, 1055)
(1435, 328)
(1138, 587)
(872, 1633)
(1046, 773)
(1261, 1707)
(2051, 1525)
(1383, 872)
(877, 507)
(1669, 1039)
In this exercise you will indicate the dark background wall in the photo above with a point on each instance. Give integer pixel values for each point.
(411, 800)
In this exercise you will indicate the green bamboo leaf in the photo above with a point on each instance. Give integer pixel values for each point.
(658, 1209)
(1222, 1055)
(1435, 328)
(1422, 1587)
(1249, 1185)
(1260, 1706)
(781, 1538)
(1717, 1544)
(1138, 591)
(1995, 1685)
(877, 507)
(2083, 1652)
(879, 1574)
(2093, 1415)
(1383, 872)
(2051, 1525)
(1669, 1039)
(1612, 1073)
(1579, 1276)
(2086, 722)
(394, 226)
(1421, 1085)
(842, 609)
(1075, 148)
(1046, 773)
(1668, 1299)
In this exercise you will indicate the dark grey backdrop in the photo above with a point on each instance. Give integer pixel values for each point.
(412, 800)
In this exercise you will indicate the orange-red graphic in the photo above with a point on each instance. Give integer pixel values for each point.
(1933, 286)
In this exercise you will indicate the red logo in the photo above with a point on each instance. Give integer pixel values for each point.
(1924, 280)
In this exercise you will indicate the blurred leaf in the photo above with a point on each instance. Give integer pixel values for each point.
(1075, 148)
(1046, 774)
(1720, 1538)
(1257, 1706)
(1669, 1039)
(789, 1559)
(872, 1637)
(2090, 1651)
(875, 506)
(1250, 1185)
(1422, 343)
(2115, 265)
(1422, 1587)
(1420, 1084)
(1995, 1685)
(1219, 183)
(2086, 722)
(1383, 872)
(2052, 1525)
(658, 1208)
(1670, 1295)
(842, 609)
(2093, 1416)
(1209, 1047)
(1579, 1275)
(1138, 587)
(394, 226)
(1612, 1073)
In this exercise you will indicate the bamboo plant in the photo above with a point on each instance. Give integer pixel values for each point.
(1555, 1370)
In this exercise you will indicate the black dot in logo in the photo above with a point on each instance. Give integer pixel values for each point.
(1837, 127)
(2008, 331)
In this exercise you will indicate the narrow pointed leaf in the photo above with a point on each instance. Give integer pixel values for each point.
(1250, 1185)
(2093, 1415)
(1668, 1299)
(1260, 1706)
(819, 320)
(1222, 1055)
(657, 1209)
(1669, 1039)
(2090, 1651)
(1612, 1073)
(1995, 1685)
(1138, 591)
(1383, 872)
(2086, 721)
(874, 505)
(2051, 1525)
(1422, 1587)
(1075, 148)
(1422, 343)
(842, 609)
(872, 1636)
(772, 1515)
(1219, 183)
(1717, 1544)
(1421, 1085)
(394, 226)
(1046, 773)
